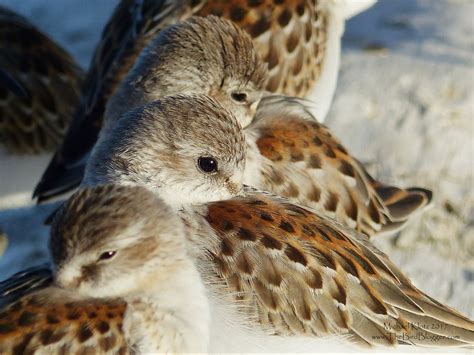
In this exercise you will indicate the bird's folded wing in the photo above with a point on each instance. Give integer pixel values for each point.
(25, 282)
(303, 161)
(290, 36)
(53, 321)
(297, 273)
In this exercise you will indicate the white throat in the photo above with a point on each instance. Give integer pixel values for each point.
(170, 317)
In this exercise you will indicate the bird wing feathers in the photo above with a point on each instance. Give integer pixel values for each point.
(290, 36)
(300, 274)
(303, 161)
(53, 321)
(293, 272)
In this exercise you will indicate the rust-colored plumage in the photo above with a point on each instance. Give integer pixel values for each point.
(284, 268)
(289, 35)
(62, 325)
(298, 273)
(303, 161)
(39, 87)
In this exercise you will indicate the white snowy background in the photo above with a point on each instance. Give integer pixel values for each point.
(404, 105)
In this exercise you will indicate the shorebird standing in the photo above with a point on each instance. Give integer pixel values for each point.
(124, 282)
(300, 41)
(274, 270)
(39, 90)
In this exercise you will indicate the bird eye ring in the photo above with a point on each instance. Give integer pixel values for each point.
(107, 255)
(240, 97)
(207, 164)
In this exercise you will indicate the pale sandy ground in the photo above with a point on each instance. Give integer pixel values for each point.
(404, 105)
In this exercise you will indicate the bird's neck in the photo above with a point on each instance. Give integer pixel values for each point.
(171, 316)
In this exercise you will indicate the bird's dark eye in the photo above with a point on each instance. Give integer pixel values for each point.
(107, 255)
(207, 164)
(240, 97)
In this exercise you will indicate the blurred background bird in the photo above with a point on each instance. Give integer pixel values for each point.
(39, 90)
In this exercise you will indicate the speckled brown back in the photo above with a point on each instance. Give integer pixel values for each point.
(62, 326)
(297, 273)
(34, 119)
(289, 35)
(291, 141)
(304, 162)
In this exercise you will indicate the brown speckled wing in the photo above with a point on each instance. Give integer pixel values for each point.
(52, 323)
(300, 274)
(34, 118)
(304, 162)
(289, 35)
